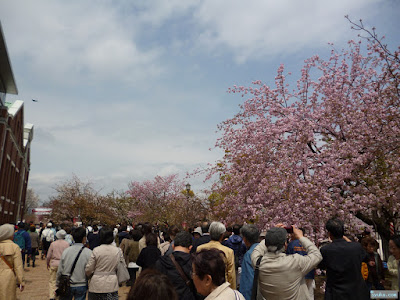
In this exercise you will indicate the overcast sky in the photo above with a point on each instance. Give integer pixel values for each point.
(128, 90)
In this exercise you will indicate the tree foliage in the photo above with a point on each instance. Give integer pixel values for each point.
(78, 200)
(164, 200)
(328, 147)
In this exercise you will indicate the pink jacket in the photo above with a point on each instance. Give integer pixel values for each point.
(55, 251)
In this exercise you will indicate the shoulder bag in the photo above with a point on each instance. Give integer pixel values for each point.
(122, 271)
(180, 271)
(64, 284)
(8, 264)
(255, 280)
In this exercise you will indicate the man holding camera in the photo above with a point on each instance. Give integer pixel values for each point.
(281, 276)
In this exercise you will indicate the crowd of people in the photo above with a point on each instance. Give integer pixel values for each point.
(209, 261)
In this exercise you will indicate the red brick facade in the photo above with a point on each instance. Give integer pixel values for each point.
(15, 143)
(14, 162)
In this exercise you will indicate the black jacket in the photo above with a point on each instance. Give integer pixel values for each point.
(342, 260)
(167, 267)
(204, 239)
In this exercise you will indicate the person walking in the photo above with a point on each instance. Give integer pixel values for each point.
(22, 239)
(178, 266)
(11, 269)
(130, 249)
(94, 238)
(53, 260)
(149, 255)
(217, 230)
(101, 268)
(34, 245)
(47, 238)
(204, 238)
(79, 282)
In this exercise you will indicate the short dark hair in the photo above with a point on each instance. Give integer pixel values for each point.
(151, 284)
(210, 262)
(236, 229)
(151, 239)
(21, 225)
(250, 232)
(32, 228)
(335, 227)
(183, 239)
(78, 234)
(106, 236)
(136, 234)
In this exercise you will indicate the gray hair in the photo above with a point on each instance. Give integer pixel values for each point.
(250, 232)
(216, 230)
(275, 240)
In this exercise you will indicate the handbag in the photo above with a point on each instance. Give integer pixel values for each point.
(255, 280)
(122, 271)
(64, 283)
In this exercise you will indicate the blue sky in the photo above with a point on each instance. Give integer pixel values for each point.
(129, 90)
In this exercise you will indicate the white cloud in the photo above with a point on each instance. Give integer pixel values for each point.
(254, 30)
(79, 42)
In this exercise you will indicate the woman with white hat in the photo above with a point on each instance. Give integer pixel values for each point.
(11, 270)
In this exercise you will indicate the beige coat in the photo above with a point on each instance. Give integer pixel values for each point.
(224, 292)
(102, 269)
(230, 273)
(8, 281)
(282, 276)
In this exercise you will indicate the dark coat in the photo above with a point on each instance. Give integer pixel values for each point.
(204, 239)
(343, 263)
(122, 235)
(148, 257)
(165, 265)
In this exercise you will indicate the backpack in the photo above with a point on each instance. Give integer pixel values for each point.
(19, 240)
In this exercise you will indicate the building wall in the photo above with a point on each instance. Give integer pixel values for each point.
(14, 162)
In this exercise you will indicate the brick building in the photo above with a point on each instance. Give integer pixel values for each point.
(15, 143)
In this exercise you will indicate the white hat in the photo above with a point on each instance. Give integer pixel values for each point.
(6, 231)
(198, 230)
(61, 234)
(49, 225)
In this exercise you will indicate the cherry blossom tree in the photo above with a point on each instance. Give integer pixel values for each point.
(330, 146)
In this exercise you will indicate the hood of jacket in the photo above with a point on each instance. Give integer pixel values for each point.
(235, 239)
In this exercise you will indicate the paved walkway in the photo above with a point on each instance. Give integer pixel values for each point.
(37, 283)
